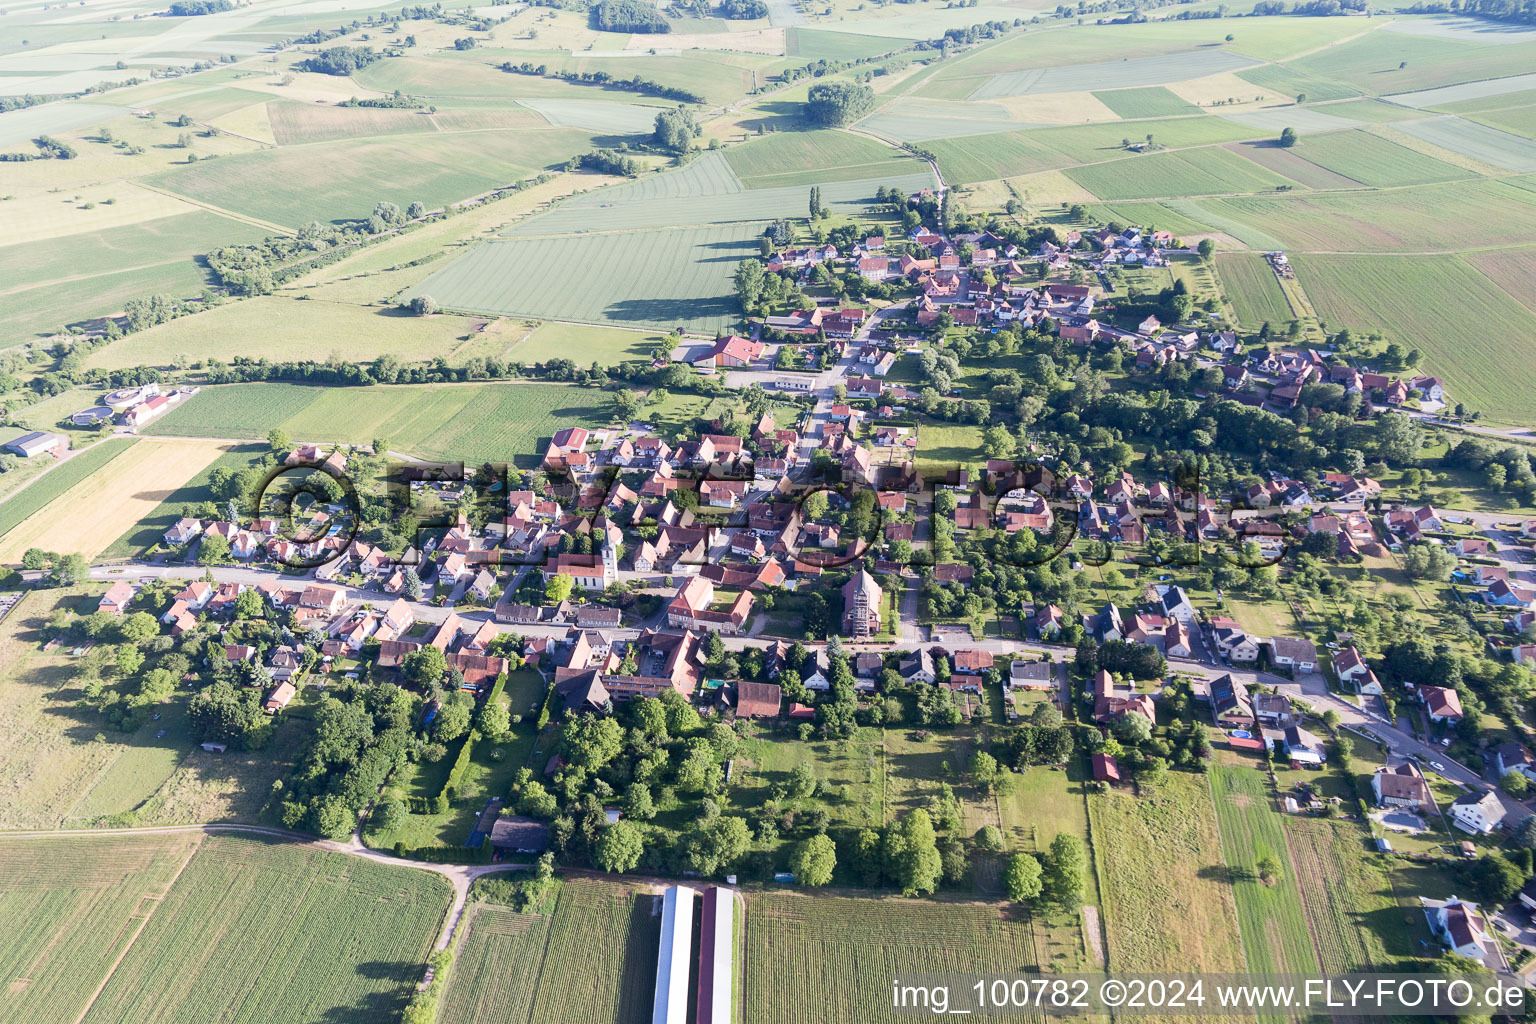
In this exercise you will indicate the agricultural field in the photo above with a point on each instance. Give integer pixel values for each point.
(1510, 269)
(352, 938)
(814, 158)
(1454, 216)
(589, 960)
(847, 950)
(1374, 161)
(1480, 142)
(58, 479)
(78, 520)
(913, 119)
(1347, 893)
(1155, 101)
(987, 157)
(489, 422)
(821, 44)
(286, 327)
(70, 908)
(343, 180)
(1211, 171)
(1092, 143)
(1303, 119)
(1479, 339)
(1251, 287)
(586, 344)
(1374, 62)
(1132, 72)
(657, 278)
(1286, 80)
(151, 525)
(1477, 89)
(1270, 914)
(1289, 163)
(1167, 900)
(1521, 120)
(294, 124)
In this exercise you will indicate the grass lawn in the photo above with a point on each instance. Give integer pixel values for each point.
(943, 446)
(585, 344)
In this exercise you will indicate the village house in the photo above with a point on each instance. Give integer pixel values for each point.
(1402, 785)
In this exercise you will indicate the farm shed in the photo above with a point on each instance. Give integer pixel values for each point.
(672, 957)
(716, 968)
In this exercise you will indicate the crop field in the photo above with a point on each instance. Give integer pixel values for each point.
(1374, 161)
(1489, 104)
(987, 157)
(146, 532)
(1303, 119)
(820, 44)
(1521, 120)
(491, 422)
(282, 327)
(1167, 901)
(813, 158)
(1458, 215)
(1287, 81)
(1089, 143)
(1482, 341)
(1274, 926)
(1154, 101)
(296, 123)
(1250, 285)
(69, 909)
(1471, 90)
(599, 116)
(351, 939)
(1346, 892)
(628, 211)
(1211, 171)
(341, 180)
(1135, 71)
(1511, 269)
(58, 480)
(591, 959)
(584, 343)
(1478, 141)
(1289, 163)
(80, 520)
(661, 278)
(846, 951)
(914, 119)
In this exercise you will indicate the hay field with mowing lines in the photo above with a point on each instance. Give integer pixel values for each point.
(1347, 894)
(1156, 856)
(1136, 71)
(598, 116)
(341, 180)
(1482, 342)
(1150, 102)
(282, 327)
(491, 422)
(86, 520)
(1250, 285)
(1511, 269)
(846, 951)
(1288, 163)
(659, 278)
(1458, 215)
(294, 123)
(1193, 172)
(1478, 141)
(346, 943)
(813, 158)
(1274, 925)
(1374, 161)
(589, 960)
(69, 909)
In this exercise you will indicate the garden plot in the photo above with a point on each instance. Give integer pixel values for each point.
(1139, 71)
(1478, 141)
